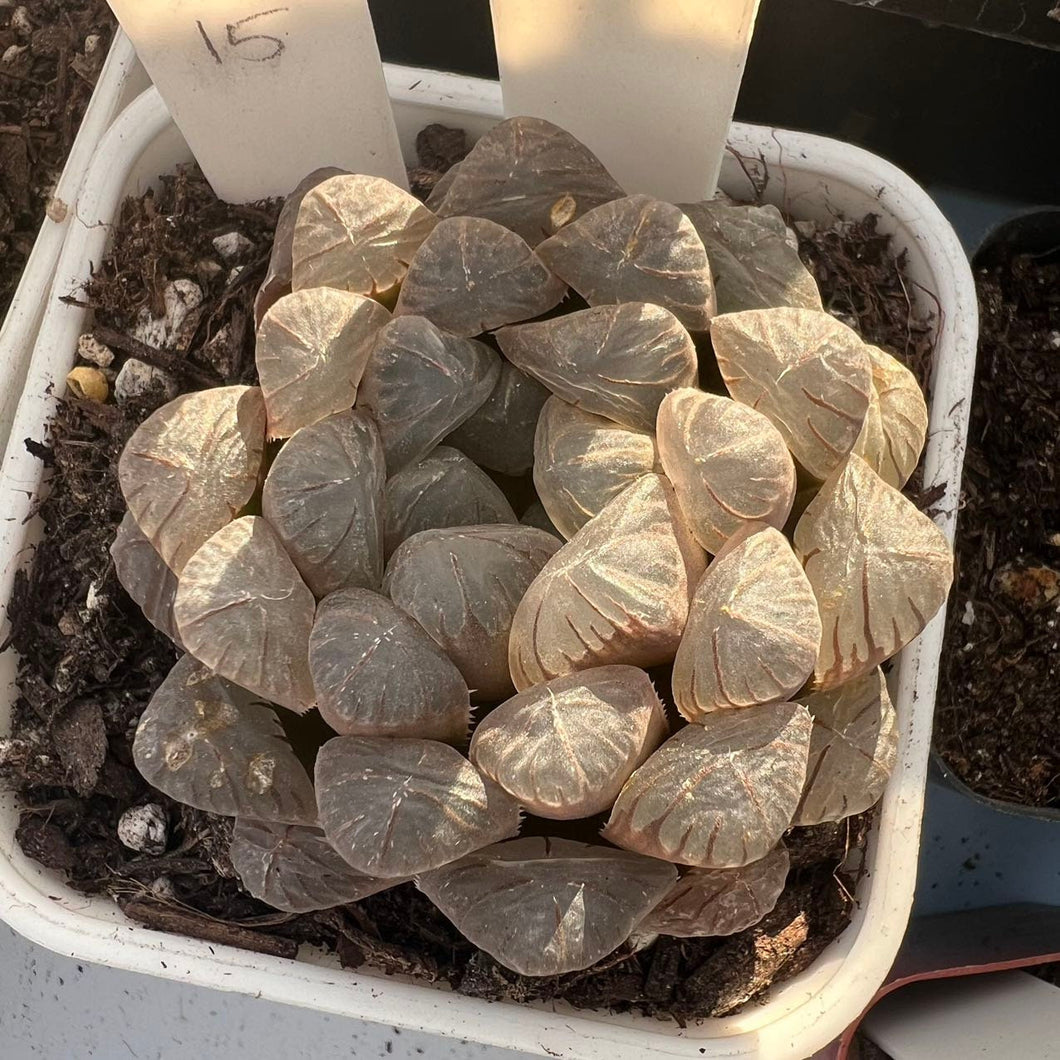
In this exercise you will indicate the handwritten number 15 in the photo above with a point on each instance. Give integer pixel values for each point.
(238, 39)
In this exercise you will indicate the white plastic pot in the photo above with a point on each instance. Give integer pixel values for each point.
(999, 1014)
(120, 81)
(812, 177)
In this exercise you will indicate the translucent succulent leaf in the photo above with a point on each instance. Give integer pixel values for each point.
(719, 794)
(377, 673)
(636, 249)
(753, 628)
(191, 465)
(472, 275)
(892, 438)
(295, 869)
(145, 577)
(879, 568)
(520, 170)
(564, 749)
(358, 233)
(728, 464)
(852, 750)
(754, 264)
(324, 497)
(209, 744)
(499, 434)
(394, 807)
(444, 489)
(536, 515)
(615, 361)
(463, 587)
(710, 902)
(420, 384)
(806, 371)
(582, 461)
(617, 592)
(244, 611)
(312, 348)
(278, 278)
(544, 906)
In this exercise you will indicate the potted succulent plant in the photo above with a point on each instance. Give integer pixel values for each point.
(1004, 609)
(327, 542)
(260, 520)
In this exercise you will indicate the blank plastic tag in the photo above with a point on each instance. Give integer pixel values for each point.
(265, 92)
(649, 85)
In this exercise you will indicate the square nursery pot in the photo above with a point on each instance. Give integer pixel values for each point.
(980, 851)
(120, 81)
(956, 989)
(1008, 1013)
(814, 179)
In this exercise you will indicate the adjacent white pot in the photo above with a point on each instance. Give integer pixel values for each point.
(812, 177)
(1008, 1013)
(120, 81)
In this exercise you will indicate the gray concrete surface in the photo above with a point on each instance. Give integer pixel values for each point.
(54, 1008)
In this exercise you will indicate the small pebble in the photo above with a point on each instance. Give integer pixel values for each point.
(139, 381)
(232, 246)
(20, 22)
(89, 384)
(208, 269)
(150, 330)
(57, 210)
(181, 295)
(182, 299)
(92, 43)
(176, 327)
(11, 750)
(144, 829)
(93, 597)
(89, 348)
(968, 618)
(13, 52)
(163, 889)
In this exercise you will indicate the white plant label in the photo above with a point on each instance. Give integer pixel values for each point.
(649, 85)
(266, 91)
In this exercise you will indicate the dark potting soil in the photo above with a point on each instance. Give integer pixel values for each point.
(89, 662)
(46, 80)
(997, 722)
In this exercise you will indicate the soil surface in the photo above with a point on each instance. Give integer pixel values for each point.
(89, 661)
(998, 714)
(50, 57)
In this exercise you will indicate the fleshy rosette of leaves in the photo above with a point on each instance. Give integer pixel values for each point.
(343, 538)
